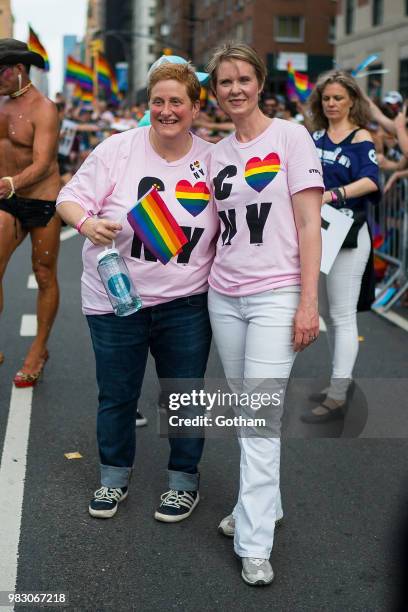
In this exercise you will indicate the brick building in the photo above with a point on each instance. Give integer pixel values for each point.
(300, 30)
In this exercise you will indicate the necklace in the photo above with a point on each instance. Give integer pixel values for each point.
(21, 91)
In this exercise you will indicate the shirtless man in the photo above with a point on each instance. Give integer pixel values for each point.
(29, 184)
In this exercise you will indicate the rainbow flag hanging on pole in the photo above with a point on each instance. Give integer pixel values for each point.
(106, 78)
(103, 71)
(155, 226)
(79, 74)
(298, 84)
(80, 95)
(35, 45)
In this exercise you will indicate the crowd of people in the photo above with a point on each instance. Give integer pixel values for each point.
(244, 183)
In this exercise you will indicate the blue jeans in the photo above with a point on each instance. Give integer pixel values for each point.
(178, 334)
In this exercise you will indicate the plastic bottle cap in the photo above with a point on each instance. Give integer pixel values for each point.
(107, 252)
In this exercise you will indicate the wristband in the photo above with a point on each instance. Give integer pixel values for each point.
(334, 197)
(81, 222)
(11, 182)
(338, 195)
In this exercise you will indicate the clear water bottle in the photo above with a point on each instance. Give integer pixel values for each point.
(118, 284)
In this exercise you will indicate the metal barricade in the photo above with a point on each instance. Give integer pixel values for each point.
(389, 226)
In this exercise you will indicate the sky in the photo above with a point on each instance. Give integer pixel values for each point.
(50, 19)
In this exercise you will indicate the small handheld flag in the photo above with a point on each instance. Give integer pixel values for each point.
(35, 45)
(155, 226)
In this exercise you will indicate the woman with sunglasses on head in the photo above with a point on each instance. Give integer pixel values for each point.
(267, 187)
(173, 322)
(340, 112)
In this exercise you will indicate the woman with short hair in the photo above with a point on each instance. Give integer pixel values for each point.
(173, 322)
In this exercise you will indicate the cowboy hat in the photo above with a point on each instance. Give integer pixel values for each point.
(17, 52)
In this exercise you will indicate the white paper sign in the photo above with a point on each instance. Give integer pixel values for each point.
(335, 227)
(67, 136)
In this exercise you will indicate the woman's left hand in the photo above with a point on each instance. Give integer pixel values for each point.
(327, 197)
(306, 326)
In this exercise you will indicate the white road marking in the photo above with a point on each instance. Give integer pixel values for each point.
(68, 233)
(322, 325)
(32, 282)
(12, 476)
(394, 318)
(28, 325)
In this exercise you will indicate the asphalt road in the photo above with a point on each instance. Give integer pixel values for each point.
(341, 486)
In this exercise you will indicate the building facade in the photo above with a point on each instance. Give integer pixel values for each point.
(143, 42)
(300, 31)
(377, 27)
(95, 24)
(6, 19)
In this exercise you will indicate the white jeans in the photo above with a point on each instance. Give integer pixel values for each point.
(253, 335)
(338, 298)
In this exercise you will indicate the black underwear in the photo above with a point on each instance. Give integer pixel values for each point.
(31, 213)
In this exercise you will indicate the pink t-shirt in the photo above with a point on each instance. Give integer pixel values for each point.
(252, 185)
(118, 173)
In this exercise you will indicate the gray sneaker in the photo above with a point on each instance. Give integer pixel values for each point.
(256, 572)
(227, 526)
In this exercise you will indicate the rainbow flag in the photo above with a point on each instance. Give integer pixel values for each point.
(83, 96)
(114, 89)
(35, 45)
(103, 71)
(79, 74)
(154, 225)
(298, 84)
(107, 78)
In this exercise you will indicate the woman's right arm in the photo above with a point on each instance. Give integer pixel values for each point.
(99, 231)
(81, 201)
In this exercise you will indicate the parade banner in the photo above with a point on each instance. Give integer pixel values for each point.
(335, 227)
(67, 137)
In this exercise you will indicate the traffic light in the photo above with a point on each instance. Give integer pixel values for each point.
(96, 45)
(167, 51)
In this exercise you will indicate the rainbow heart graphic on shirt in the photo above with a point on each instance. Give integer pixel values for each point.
(194, 198)
(260, 172)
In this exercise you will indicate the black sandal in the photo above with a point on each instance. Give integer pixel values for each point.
(331, 414)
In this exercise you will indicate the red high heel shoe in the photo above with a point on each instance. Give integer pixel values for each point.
(22, 380)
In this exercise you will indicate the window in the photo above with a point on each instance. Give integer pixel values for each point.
(378, 12)
(151, 48)
(375, 81)
(239, 32)
(403, 78)
(152, 11)
(332, 30)
(289, 29)
(151, 30)
(248, 31)
(349, 20)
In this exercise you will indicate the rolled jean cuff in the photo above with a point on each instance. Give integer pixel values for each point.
(115, 477)
(181, 481)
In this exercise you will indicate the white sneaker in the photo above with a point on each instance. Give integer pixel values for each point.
(256, 572)
(227, 526)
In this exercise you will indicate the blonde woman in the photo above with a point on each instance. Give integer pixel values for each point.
(340, 112)
(267, 187)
